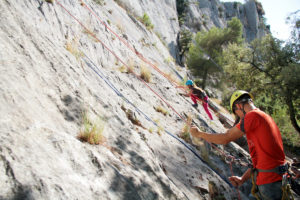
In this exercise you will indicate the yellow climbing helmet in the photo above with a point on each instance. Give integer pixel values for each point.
(237, 94)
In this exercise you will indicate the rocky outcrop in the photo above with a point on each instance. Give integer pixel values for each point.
(251, 16)
(53, 71)
(204, 14)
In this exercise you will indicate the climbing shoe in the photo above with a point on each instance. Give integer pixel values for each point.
(195, 105)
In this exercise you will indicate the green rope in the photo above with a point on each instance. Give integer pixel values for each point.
(287, 192)
(254, 190)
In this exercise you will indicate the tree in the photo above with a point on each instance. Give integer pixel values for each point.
(294, 40)
(185, 39)
(267, 69)
(207, 47)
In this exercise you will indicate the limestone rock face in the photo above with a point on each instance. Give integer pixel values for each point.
(162, 14)
(54, 72)
(251, 17)
(204, 14)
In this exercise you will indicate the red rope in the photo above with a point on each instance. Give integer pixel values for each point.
(232, 174)
(133, 49)
(128, 45)
(93, 35)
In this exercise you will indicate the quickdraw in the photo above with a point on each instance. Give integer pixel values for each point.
(286, 188)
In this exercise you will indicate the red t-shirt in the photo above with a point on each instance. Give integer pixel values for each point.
(265, 145)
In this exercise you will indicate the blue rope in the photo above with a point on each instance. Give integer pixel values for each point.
(198, 156)
(102, 76)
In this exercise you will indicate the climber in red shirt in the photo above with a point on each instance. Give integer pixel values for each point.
(264, 142)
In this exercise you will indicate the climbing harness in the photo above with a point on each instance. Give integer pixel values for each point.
(279, 169)
(286, 181)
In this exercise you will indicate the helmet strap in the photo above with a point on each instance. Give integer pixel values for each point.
(243, 110)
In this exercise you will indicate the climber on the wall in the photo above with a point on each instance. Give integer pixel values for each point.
(265, 146)
(197, 93)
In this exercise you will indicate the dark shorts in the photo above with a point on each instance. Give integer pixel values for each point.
(271, 191)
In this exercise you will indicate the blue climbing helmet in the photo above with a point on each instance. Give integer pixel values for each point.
(189, 82)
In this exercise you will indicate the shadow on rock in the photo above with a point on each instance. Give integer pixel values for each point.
(22, 193)
(128, 190)
(72, 110)
(139, 163)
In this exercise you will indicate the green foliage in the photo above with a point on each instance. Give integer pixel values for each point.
(234, 31)
(267, 69)
(235, 5)
(169, 60)
(278, 111)
(183, 81)
(198, 81)
(212, 43)
(259, 8)
(204, 17)
(161, 110)
(146, 20)
(161, 39)
(100, 2)
(181, 10)
(122, 4)
(72, 47)
(145, 74)
(185, 132)
(294, 42)
(91, 131)
(180, 6)
(185, 39)
(220, 9)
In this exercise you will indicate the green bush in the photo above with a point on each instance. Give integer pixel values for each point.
(185, 39)
(146, 20)
(100, 2)
(278, 111)
(91, 131)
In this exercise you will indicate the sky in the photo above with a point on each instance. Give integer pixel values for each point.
(276, 12)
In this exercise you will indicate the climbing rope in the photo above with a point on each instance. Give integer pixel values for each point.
(127, 44)
(102, 76)
(286, 188)
(134, 50)
(113, 53)
(118, 58)
(232, 174)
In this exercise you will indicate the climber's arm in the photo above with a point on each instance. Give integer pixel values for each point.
(218, 138)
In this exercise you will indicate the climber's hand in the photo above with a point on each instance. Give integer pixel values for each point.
(236, 181)
(195, 132)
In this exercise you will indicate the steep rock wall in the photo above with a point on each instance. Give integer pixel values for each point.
(46, 86)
